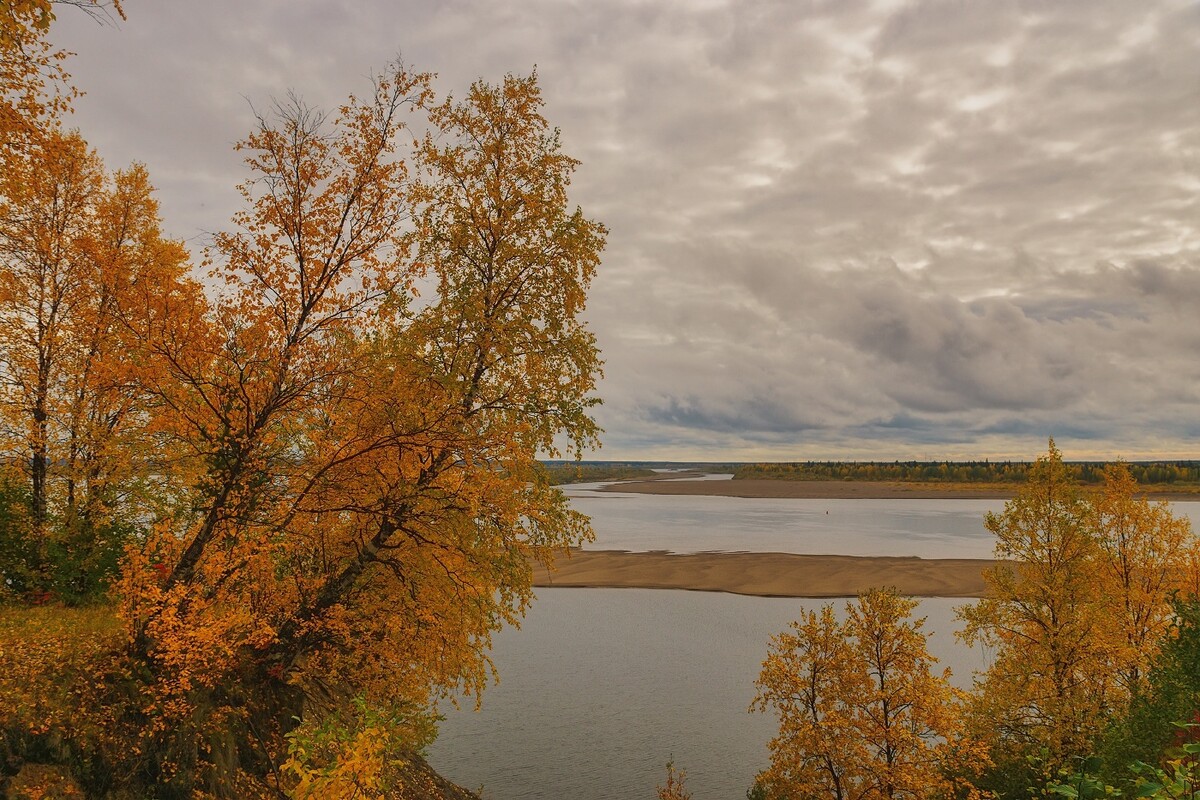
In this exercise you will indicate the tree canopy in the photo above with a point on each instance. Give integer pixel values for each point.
(862, 713)
(308, 483)
(1077, 607)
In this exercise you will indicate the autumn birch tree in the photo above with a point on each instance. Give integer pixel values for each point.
(357, 462)
(34, 86)
(1046, 687)
(73, 240)
(808, 680)
(52, 190)
(862, 714)
(1075, 610)
(45, 283)
(337, 493)
(1145, 558)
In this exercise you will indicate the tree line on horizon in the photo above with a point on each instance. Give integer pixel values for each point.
(255, 522)
(1178, 474)
(564, 472)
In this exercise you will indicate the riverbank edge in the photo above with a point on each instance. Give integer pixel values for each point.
(767, 488)
(766, 574)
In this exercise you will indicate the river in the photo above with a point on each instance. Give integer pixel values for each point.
(927, 528)
(600, 687)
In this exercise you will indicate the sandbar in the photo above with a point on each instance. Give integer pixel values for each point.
(822, 490)
(767, 574)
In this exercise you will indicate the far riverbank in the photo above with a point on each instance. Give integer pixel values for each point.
(765, 488)
(818, 490)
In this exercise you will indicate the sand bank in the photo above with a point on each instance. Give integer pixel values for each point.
(825, 490)
(767, 574)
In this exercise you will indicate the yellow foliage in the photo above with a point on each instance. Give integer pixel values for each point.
(330, 484)
(42, 782)
(54, 664)
(1075, 610)
(350, 756)
(82, 250)
(1146, 555)
(355, 483)
(861, 713)
(676, 786)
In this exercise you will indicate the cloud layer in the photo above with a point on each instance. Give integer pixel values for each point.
(839, 229)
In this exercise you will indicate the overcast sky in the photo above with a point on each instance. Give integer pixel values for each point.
(838, 229)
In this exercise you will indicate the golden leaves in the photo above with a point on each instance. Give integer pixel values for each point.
(1146, 555)
(53, 661)
(861, 712)
(355, 481)
(80, 254)
(1079, 610)
(329, 487)
(513, 260)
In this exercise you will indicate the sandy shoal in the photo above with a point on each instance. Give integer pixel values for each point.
(823, 490)
(767, 574)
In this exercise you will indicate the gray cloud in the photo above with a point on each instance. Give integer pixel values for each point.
(838, 228)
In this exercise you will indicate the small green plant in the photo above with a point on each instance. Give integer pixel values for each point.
(1178, 779)
(1082, 785)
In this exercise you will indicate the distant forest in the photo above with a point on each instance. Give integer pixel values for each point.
(560, 472)
(1176, 473)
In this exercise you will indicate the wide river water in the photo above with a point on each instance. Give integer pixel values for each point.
(600, 687)
(696, 523)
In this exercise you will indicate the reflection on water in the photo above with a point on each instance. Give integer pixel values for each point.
(602, 686)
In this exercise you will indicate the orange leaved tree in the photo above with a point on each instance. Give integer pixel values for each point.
(1147, 556)
(861, 712)
(349, 438)
(1047, 690)
(1076, 608)
(34, 87)
(68, 232)
(80, 251)
(1046, 687)
(324, 472)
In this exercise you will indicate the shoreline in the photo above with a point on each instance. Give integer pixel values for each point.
(765, 574)
(765, 488)
(805, 490)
